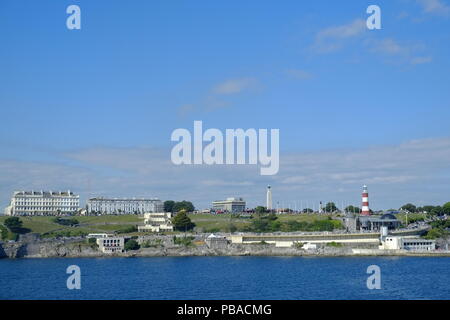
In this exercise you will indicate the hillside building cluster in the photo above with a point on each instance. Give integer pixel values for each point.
(55, 203)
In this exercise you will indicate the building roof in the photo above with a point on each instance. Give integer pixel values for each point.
(43, 193)
(123, 199)
(231, 200)
(388, 216)
(383, 218)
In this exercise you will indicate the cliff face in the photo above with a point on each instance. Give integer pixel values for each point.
(3, 254)
(60, 248)
(47, 249)
(10, 250)
(79, 248)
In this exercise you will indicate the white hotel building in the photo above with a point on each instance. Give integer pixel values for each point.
(123, 206)
(42, 203)
(157, 222)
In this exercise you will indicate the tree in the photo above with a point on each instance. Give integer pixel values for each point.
(93, 243)
(230, 228)
(437, 233)
(182, 222)
(446, 208)
(330, 207)
(409, 207)
(260, 210)
(186, 205)
(14, 224)
(437, 211)
(3, 232)
(352, 209)
(131, 245)
(260, 225)
(168, 205)
(428, 209)
(308, 210)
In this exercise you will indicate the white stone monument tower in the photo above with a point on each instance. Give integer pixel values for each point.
(269, 198)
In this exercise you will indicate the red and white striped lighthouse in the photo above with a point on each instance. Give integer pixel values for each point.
(365, 202)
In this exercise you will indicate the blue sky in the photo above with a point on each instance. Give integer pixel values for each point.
(93, 109)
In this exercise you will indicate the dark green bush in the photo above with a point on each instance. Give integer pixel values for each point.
(132, 245)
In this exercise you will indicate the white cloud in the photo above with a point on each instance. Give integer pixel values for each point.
(389, 46)
(421, 60)
(418, 169)
(404, 53)
(299, 74)
(234, 86)
(185, 109)
(333, 38)
(214, 100)
(212, 103)
(438, 7)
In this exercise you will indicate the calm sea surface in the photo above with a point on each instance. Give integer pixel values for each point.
(226, 278)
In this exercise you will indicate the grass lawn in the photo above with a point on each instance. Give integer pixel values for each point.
(88, 224)
(111, 223)
(37, 224)
(301, 217)
(411, 216)
(111, 218)
(217, 222)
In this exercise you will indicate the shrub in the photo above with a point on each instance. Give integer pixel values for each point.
(439, 229)
(66, 222)
(128, 229)
(274, 226)
(436, 233)
(131, 245)
(151, 243)
(298, 245)
(321, 225)
(212, 230)
(12, 236)
(14, 224)
(185, 241)
(230, 228)
(93, 243)
(3, 232)
(441, 224)
(65, 233)
(293, 225)
(334, 244)
(259, 225)
(269, 224)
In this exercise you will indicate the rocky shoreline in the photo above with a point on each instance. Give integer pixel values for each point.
(77, 248)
